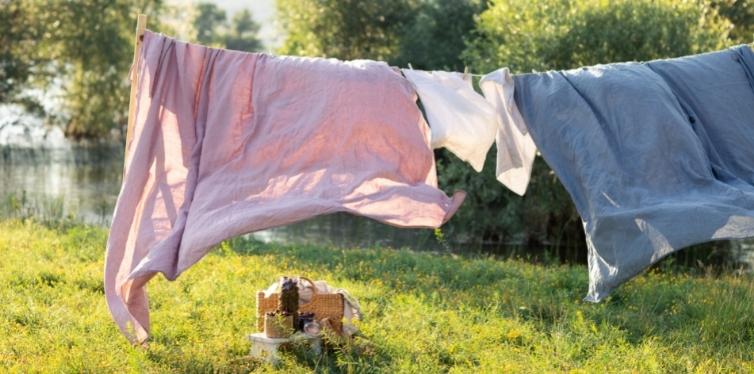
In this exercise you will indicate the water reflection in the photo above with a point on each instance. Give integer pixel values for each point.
(84, 181)
(80, 181)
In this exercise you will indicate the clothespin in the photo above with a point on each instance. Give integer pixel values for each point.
(410, 67)
(465, 73)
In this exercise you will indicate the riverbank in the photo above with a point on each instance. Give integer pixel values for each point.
(425, 312)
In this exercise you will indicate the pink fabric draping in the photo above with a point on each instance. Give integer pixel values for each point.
(227, 143)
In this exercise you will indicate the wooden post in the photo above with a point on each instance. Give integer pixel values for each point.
(141, 25)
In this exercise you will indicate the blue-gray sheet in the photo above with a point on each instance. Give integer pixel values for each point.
(657, 156)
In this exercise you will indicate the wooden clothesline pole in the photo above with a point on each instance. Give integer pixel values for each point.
(141, 25)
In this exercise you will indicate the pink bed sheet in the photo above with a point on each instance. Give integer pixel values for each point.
(227, 143)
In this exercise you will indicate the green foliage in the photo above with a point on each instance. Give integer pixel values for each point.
(243, 33)
(429, 34)
(209, 17)
(555, 34)
(212, 28)
(48, 211)
(424, 313)
(344, 29)
(17, 50)
(87, 47)
(94, 55)
(741, 14)
(435, 37)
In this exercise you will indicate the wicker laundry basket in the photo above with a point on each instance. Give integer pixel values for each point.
(328, 306)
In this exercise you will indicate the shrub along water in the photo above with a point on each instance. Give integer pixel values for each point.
(425, 312)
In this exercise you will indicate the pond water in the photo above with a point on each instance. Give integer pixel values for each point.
(84, 181)
(81, 182)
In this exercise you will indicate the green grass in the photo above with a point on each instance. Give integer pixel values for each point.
(425, 312)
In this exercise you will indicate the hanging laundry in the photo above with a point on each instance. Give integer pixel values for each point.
(227, 143)
(515, 147)
(460, 119)
(657, 156)
(467, 123)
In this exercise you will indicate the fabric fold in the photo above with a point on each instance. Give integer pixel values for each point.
(515, 147)
(460, 119)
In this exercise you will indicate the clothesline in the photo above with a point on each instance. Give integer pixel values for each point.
(655, 156)
(466, 72)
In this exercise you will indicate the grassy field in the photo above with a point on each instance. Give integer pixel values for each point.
(424, 312)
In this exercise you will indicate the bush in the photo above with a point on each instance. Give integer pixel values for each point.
(429, 34)
(557, 34)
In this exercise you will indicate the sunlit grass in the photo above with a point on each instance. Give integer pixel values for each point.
(424, 312)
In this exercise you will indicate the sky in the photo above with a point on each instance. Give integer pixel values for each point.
(263, 12)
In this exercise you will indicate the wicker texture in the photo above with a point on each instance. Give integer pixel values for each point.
(277, 326)
(328, 306)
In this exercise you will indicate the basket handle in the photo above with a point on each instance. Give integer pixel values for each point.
(314, 286)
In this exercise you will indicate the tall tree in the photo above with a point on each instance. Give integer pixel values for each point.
(84, 46)
(429, 34)
(17, 50)
(435, 37)
(741, 15)
(345, 29)
(89, 45)
(243, 33)
(209, 21)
